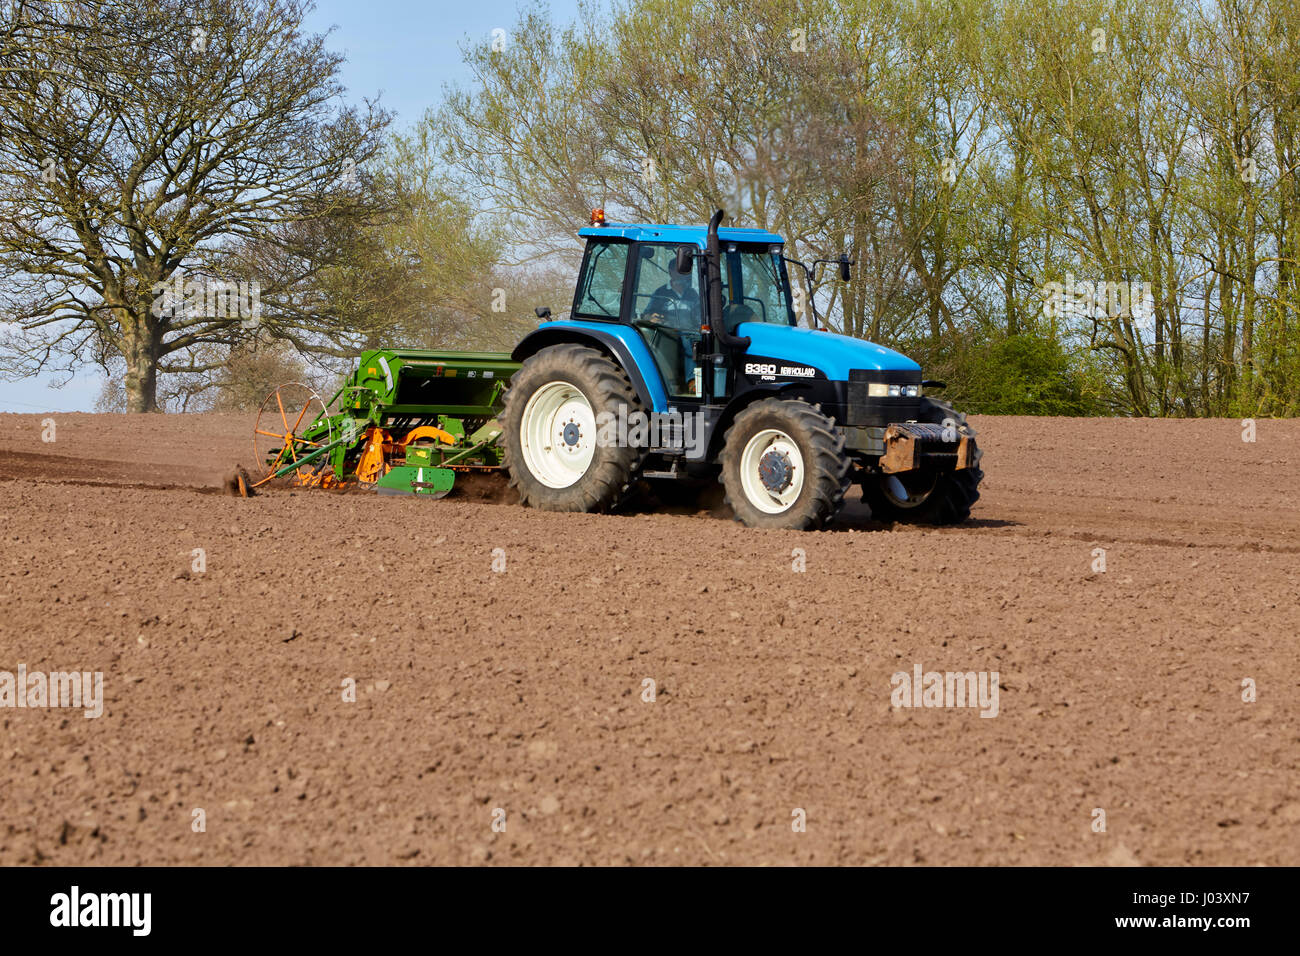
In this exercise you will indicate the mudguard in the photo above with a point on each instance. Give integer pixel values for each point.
(622, 342)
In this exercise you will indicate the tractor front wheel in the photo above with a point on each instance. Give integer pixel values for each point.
(927, 496)
(554, 452)
(783, 466)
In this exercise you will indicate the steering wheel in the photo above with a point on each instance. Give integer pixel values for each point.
(658, 328)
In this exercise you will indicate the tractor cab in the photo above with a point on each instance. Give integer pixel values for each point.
(654, 279)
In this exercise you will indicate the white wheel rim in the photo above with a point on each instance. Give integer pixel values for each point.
(558, 434)
(771, 471)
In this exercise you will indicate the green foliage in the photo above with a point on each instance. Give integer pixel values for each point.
(1026, 375)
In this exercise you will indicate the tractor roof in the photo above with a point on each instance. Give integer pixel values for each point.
(641, 232)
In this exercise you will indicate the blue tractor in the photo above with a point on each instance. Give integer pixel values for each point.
(681, 359)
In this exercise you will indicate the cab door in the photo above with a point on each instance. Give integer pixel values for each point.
(667, 310)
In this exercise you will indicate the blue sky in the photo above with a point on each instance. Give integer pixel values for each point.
(403, 49)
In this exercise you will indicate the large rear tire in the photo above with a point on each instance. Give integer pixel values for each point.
(783, 466)
(550, 424)
(924, 496)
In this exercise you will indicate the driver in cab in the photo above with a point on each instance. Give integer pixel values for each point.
(676, 306)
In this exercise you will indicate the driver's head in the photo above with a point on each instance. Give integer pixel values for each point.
(681, 284)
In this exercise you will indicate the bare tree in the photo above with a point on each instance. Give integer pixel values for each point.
(142, 144)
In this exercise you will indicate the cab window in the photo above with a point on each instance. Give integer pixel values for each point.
(755, 287)
(600, 286)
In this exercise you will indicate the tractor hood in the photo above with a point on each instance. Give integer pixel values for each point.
(833, 355)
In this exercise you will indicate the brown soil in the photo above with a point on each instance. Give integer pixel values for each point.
(522, 689)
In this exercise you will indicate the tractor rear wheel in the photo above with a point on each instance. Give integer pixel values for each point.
(926, 496)
(783, 466)
(552, 417)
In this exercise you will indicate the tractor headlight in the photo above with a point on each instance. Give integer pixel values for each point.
(884, 390)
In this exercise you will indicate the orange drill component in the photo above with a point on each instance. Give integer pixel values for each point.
(426, 431)
(324, 478)
(373, 463)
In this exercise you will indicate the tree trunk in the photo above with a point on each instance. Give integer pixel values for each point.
(141, 355)
(1249, 389)
(1013, 250)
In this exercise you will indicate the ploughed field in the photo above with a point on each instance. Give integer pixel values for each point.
(500, 658)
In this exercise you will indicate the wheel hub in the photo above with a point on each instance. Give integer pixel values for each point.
(776, 471)
(772, 473)
(572, 433)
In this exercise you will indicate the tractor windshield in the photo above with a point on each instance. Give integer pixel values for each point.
(755, 287)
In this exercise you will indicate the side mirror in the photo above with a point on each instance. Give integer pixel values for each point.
(542, 312)
(845, 262)
(685, 255)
